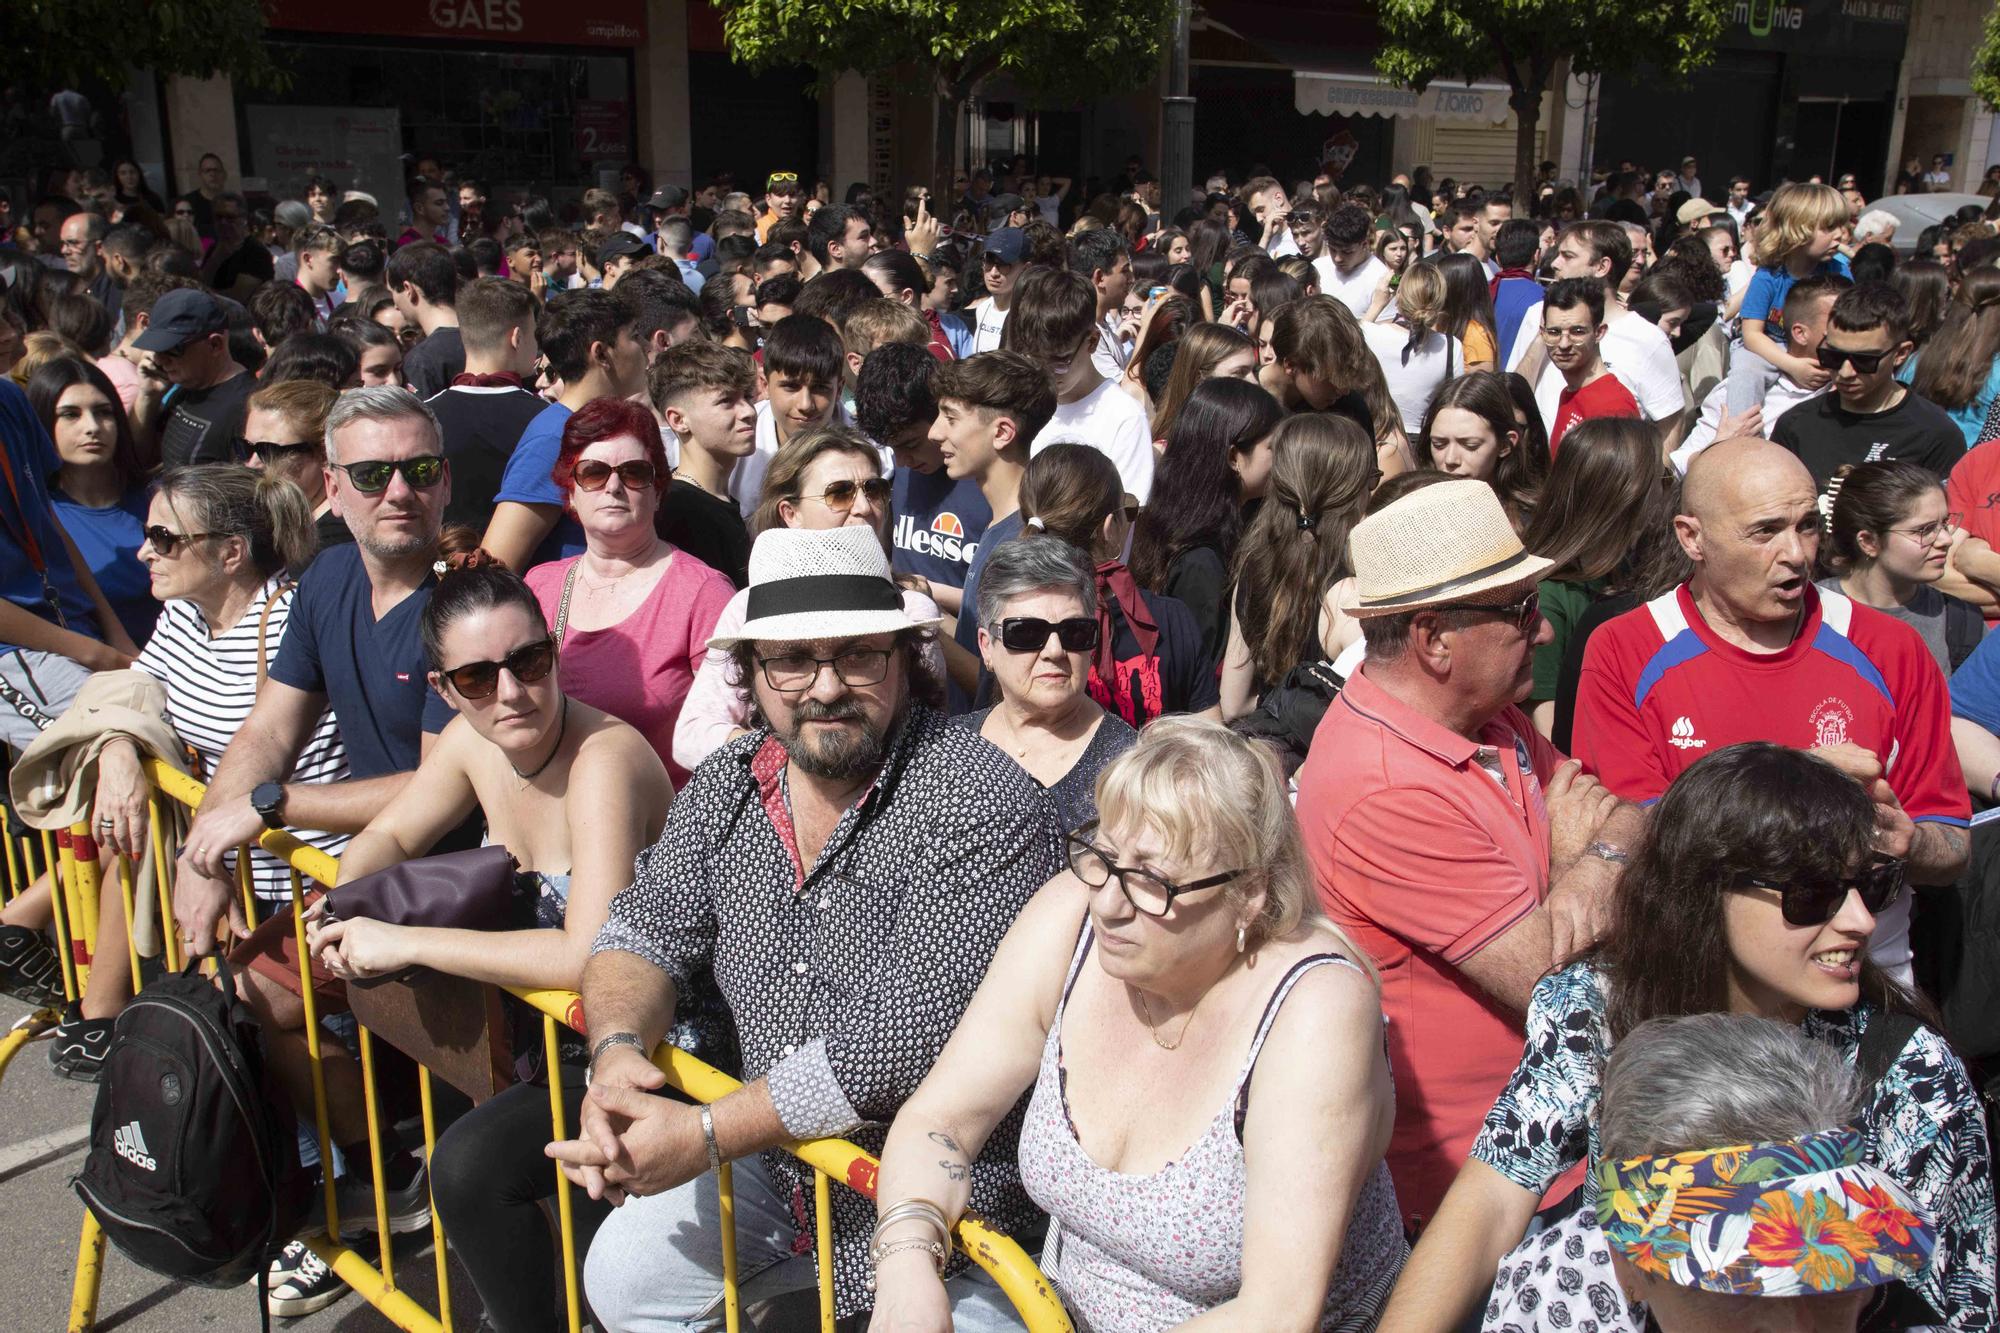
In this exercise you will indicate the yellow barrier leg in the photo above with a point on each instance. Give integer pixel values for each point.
(169, 929)
(80, 909)
(89, 1273)
(565, 1224)
(312, 1053)
(17, 883)
(437, 1223)
(384, 1237)
(732, 1299)
(125, 897)
(823, 1230)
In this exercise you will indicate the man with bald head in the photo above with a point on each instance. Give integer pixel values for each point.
(1749, 650)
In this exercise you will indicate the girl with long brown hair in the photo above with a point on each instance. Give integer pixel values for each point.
(1959, 368)
(1323, 469)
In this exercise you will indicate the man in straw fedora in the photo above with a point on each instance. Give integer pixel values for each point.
(844, 872)
(1454, 843)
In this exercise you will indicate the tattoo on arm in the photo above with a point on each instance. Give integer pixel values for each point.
(954, 1170)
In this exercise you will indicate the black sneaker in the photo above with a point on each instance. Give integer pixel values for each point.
(30, 969)
(409, 1207)
(301, 1283)
(80, 1044)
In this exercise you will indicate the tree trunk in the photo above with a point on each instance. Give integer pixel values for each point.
(946, 100)
(1527, 105)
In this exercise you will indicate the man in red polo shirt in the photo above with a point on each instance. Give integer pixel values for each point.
(1448, 838)
(1749, 650)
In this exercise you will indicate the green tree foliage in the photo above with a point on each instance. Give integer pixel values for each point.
(1051, 49)
(59, 43)
(1986, 61)
(1525, 41)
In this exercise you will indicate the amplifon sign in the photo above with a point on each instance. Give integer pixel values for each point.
(542, 22)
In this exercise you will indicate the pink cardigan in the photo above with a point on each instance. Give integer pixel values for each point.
(639, 670)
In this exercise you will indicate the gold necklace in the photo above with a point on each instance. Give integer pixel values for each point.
(1175, 1045)
(677, 475)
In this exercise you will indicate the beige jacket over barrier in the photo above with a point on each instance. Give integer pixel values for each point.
(54, 783)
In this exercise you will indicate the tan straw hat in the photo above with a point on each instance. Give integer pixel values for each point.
(1445, 543)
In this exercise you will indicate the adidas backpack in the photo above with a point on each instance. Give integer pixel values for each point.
(193, 1169)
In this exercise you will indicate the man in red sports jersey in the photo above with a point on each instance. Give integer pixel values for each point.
(1748, 649)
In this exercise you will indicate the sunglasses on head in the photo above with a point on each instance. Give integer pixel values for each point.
(842, 494)
(372, 477)
(166, 541)
(1865, 363)
(1030, 634)
(1815, 904)
(527, 664)
(593, 475)
(266, 451)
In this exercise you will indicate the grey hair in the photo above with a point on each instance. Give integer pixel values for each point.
(1034, 564)
(1713, 1080)
(381, 402)
(1875, 221)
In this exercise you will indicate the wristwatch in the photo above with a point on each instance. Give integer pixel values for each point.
(268, 800)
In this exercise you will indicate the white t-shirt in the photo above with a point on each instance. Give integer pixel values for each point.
(1286, 244)
(1110, 421)
(1355, 290)
(211, 684)
(1413, 383)
(1637, 353)
(1112, 354)
(746, 479)
(986, 333)
(1781, 398)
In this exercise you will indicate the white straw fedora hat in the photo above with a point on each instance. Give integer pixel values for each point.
(830, 583)
(1444, 543)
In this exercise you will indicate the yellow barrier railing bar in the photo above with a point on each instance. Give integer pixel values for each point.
(995, 1253)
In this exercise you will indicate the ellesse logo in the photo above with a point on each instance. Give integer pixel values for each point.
(128, 1142)
(1683, 737)
(948, 524)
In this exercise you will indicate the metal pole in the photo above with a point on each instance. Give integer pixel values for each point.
(1177, 121)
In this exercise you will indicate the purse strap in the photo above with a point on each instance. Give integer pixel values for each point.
(284, 587)
(562, 606)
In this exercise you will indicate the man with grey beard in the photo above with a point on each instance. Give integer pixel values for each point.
(843, 873)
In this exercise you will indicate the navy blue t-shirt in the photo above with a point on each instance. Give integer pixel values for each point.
(529, 479)
(26, 511)
(968, 614)
(939, 524)
(372, 672)
(108, 539)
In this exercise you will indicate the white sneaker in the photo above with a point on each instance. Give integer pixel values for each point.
(301, 1283)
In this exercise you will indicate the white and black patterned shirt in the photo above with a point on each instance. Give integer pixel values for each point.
(847, 977)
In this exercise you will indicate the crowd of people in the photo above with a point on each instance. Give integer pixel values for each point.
(1322, 756)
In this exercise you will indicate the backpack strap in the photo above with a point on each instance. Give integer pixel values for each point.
(1888, 1032)
(285, 586)
(1964, 627)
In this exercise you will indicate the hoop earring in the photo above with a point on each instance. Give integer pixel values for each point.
(1239, 937)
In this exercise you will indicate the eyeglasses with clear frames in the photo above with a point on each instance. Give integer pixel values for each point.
(1575, 333)
(1929, 533)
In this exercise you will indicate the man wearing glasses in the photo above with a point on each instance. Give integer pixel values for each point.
(1572, 329)
(188, 339)
(1869, 416)
(842, 874)
(1449, 839)
(1748, 649)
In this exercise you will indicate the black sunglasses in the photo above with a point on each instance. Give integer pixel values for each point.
(1147, 892)
(841, 494)
(166, 541)
(1522, 613)
(1815, 904)
(592, 475)
(1030, 634)
(1865, 363)
(268, 450)
(372, 477)
(527, 664)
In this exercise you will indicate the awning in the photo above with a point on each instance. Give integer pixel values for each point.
(1364, 95)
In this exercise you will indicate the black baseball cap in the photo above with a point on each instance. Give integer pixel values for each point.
(668, 196)
(178, 318)
(621, 243)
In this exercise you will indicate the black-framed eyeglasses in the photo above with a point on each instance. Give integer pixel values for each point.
(1030, 634)
(1523, 613)
(1815, 904)
(1148, 893)
(1865, 363)
(268, 451)
(842, 494)
(794, 673)
(372, 477)
(529, 663)
(166, 541)
(593, 475)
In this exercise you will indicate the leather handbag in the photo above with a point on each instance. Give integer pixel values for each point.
(477, 889)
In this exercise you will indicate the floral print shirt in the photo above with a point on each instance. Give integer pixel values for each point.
(1923, 1125)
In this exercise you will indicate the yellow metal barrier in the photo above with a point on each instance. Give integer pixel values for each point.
(71, 857)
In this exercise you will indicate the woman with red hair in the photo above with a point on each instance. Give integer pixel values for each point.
(633, 613)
